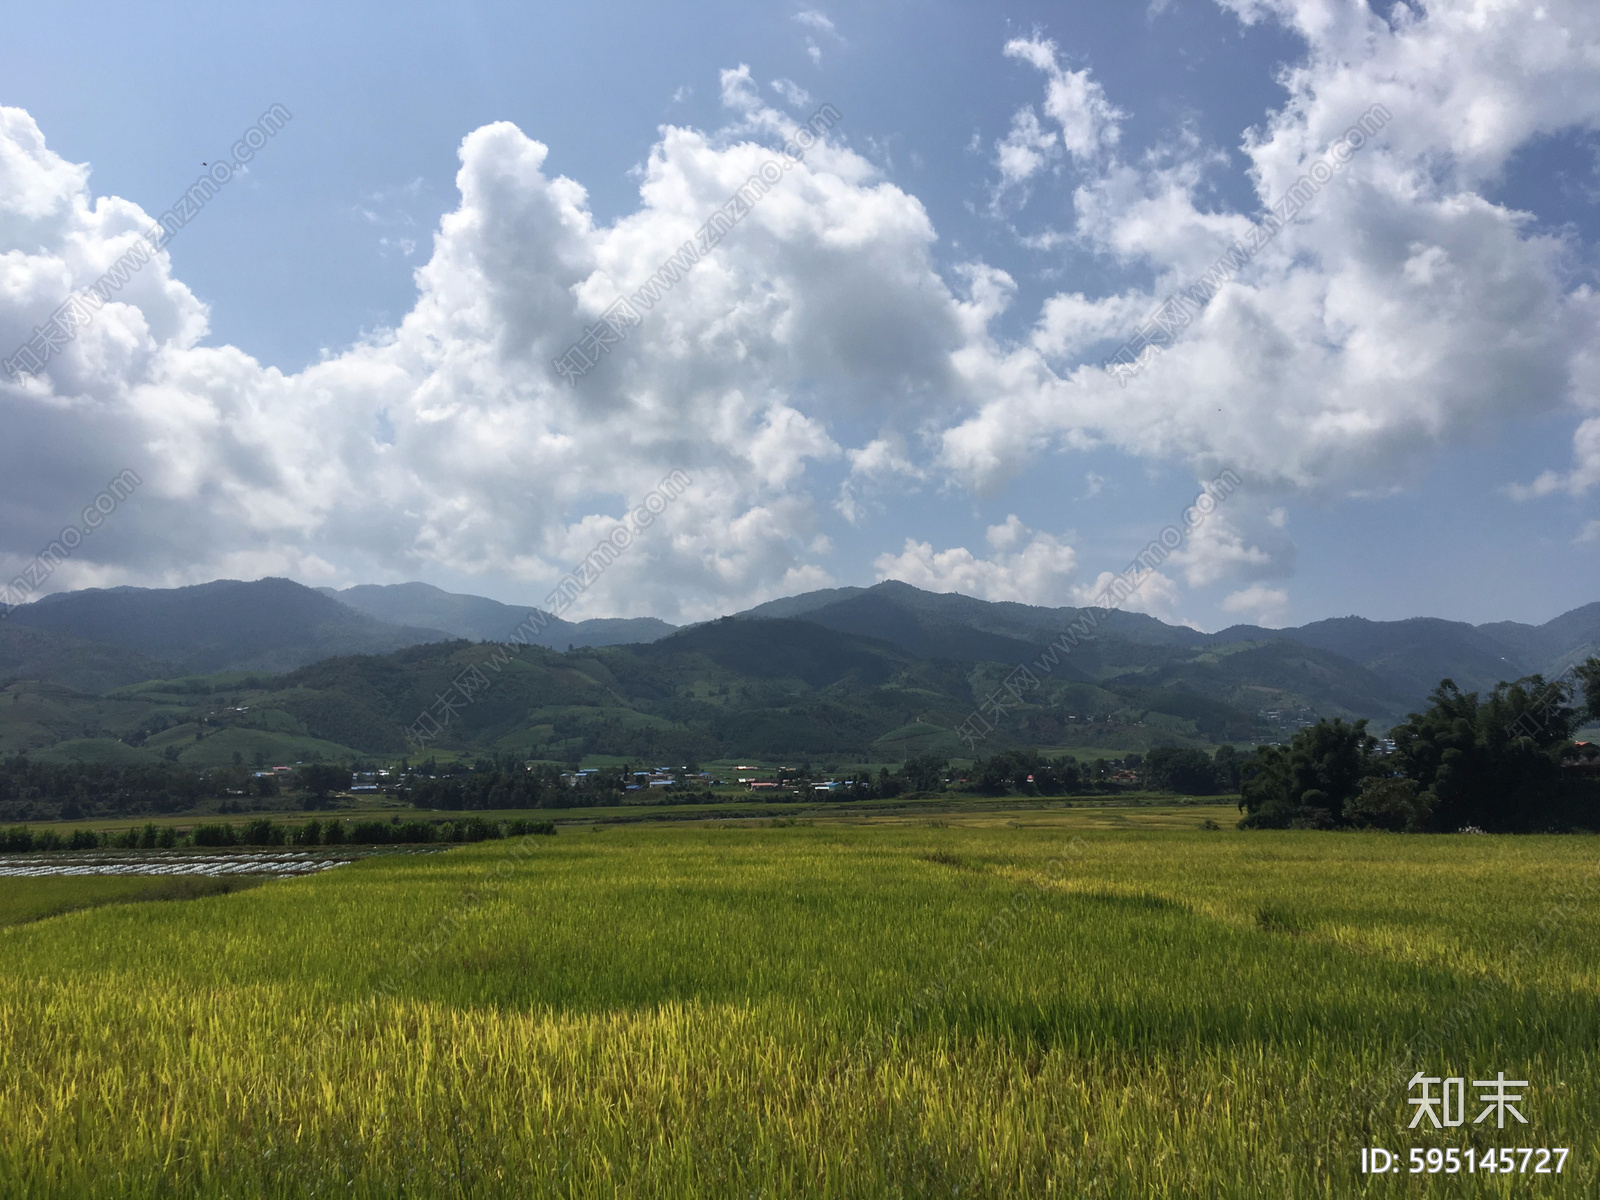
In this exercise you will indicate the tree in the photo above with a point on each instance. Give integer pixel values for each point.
(1306, 784)
(1496, 762)
(321, 778)
(1588, 673)
(1390, 802)
(1187, 772)
(1225, 762)
(925, 773)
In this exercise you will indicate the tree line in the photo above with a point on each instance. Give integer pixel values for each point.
(1502, 762)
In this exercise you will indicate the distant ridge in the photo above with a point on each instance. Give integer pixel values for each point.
(1407, 658)
(1240, 682)
(482, 620)
(265, 625)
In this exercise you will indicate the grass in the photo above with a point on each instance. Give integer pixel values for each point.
(1034, 1003)
(730, 805)
(33, 898)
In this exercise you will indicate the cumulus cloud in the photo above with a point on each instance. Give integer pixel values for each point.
(1265, 606)
(1585, 472)
(1402, 310)
(1218, 549)
(1023, 565)
(451, 442)
(1087, 121)
(1084, 121)
(1154, 594)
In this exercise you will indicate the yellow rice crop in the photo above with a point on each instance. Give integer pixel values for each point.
(838, 1010)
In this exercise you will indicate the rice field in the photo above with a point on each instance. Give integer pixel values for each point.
(156, 862)
(1046, 1004)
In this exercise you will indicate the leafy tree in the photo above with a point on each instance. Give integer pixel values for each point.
(1306, 784)
(925, 773)
(1187, 772)
(1588, 673)
(1390, 802)
(321, 778)
(1225, 763)
(1496, 762)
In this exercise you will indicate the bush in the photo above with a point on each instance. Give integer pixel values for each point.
(262, 833)
(309, 834)
(473, 829)
(524, 828)
(1388, 803)
(83, 839)
(412, 831)
(214, 835)
(333, 834)
(167, 838)
(15, 840)
(369, 833)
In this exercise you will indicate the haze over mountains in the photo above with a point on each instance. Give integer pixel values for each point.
(885, 670)
(482, 620)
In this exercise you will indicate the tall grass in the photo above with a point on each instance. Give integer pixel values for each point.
(823, 1010)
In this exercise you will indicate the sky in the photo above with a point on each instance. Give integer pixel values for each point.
(343, 363)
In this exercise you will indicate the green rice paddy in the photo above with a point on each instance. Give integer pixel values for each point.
(1065, 1003)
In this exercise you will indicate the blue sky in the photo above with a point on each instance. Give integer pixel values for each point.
(883, 365)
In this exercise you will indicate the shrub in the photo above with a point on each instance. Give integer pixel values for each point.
(309, 834)
(333, 834)
(524, 828)
(369, 833)
(262, 833)
(167, 838)
(149, 836)
(214, 835)
(83, 839)
(1389, 803)
(16, 839)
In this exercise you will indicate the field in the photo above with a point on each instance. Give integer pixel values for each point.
(1080, 1002)
(32, 899)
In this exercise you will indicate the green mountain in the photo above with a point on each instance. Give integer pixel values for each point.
(73, 662)
(1402, 661)
(267, 625)
(853, 674)
(482, 620)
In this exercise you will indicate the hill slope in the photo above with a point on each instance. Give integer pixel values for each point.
(270, 624)
(479, 619)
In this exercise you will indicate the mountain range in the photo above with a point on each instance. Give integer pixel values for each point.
(874, 673)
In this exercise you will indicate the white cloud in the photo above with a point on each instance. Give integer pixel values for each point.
(1218, 549)
(1023, 151)
(793, 94)
(1088, 122)
(1265, 606)
(1154, 594)
(1400, 311)
(1025, 566)
(818, 21)
(450, 443)
(1585, 472)
(1589, 533)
